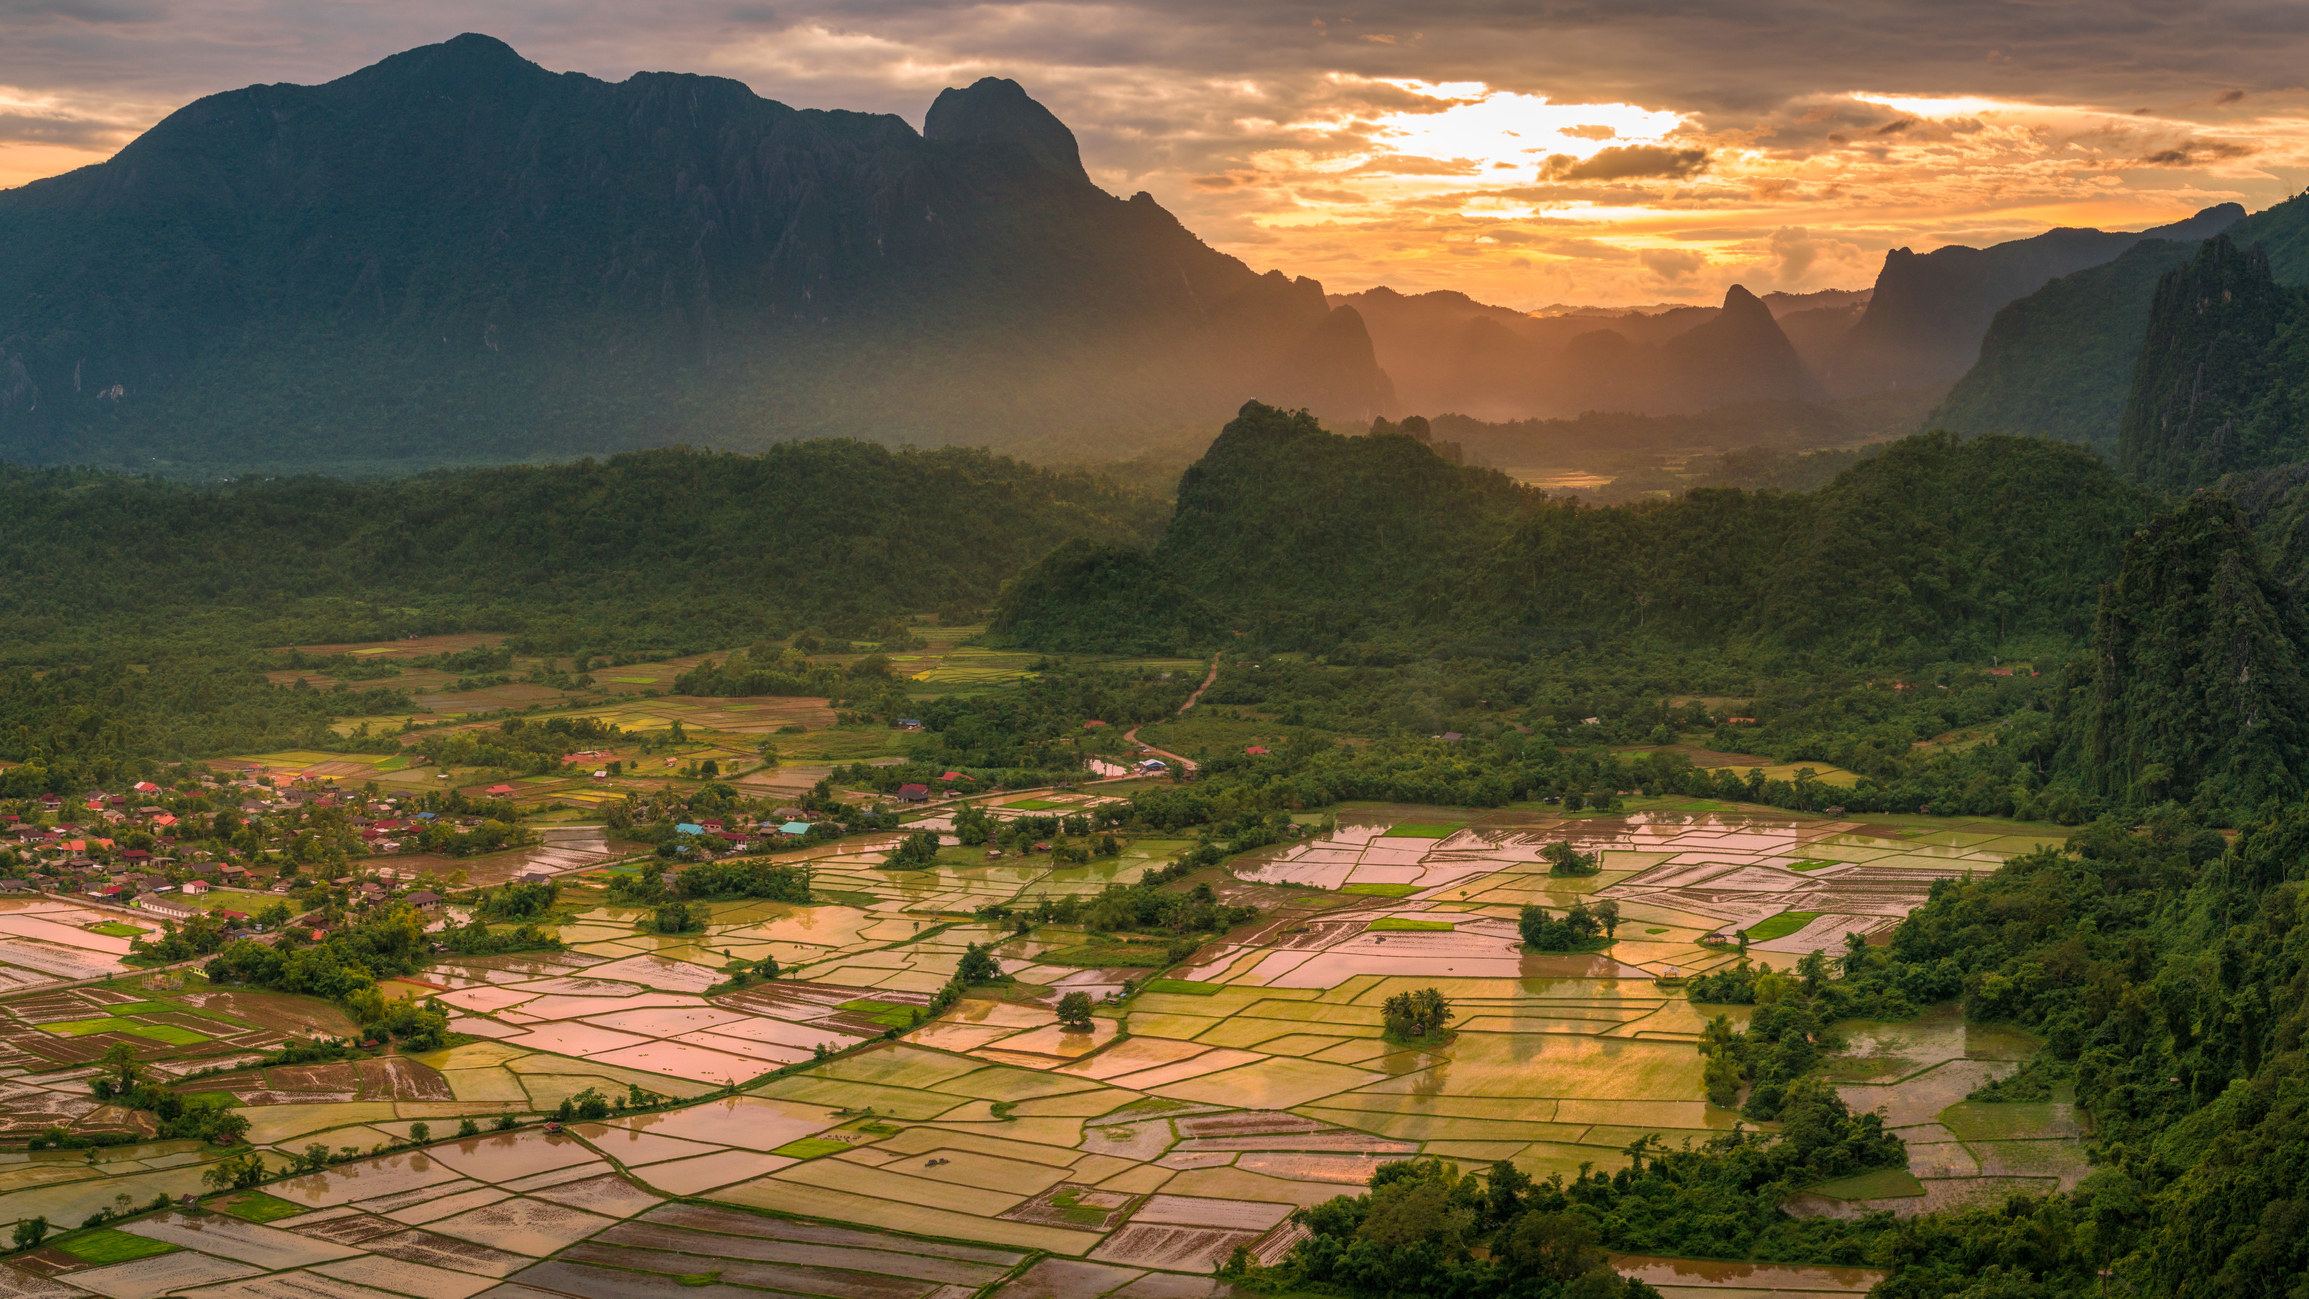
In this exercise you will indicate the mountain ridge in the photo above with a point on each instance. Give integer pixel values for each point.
(456, 256)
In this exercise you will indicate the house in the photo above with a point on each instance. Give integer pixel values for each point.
(913, 793)
(499, 791)
(194, 888)
(689, 827)
(734, 838)
(425, 900)
(167, 909)
(15, 886)
(795, 828)
(909, 723)
(533, 877)
(146, 787)
(952, 776)
(1257, 750)
(1154, 764)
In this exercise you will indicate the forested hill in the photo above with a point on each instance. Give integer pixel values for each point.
(2221, 384)
(1936, 548)
(674, 546)
(456, 257)
(2059, 362)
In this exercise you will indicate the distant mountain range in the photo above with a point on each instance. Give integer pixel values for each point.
(1919, 326)
(2060, 362)
(457, 256)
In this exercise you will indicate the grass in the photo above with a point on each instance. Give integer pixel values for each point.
(168, 1033)
(256, 1206)
(1034, 805)
(1390, 923)
(1138, 956)
(699, 1278)
(889, 1014)
(1661, 930)
(1883, 1184)
(1184, 987)
(104, 1245)
(1811, 864)
(1380, 890)
(1780, 926)
(1421, 830)
(115, 929)
(811, 1148)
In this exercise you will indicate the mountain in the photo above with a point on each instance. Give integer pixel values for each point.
(2196, 691)
(1740, 356)
(1448, 352)
(2221, 384)
(457, 256)
(2059, 362)
(1376, 548)
(1926, 318)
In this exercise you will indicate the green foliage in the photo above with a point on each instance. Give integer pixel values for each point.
(743, 878)
(1074, 1012)
(2222, 381)
(1564, 860)
(2195, 689)
(517, 901)
(30, 1232)
(1311, 541)
(676, 918)
(919, 848)
(1416, 1016)
(1577, 930)
(977, 966)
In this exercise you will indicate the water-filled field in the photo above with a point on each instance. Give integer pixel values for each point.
(1193, 1117)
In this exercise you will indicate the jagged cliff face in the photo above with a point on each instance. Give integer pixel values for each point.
(1926, 319)
(2196, 690)
(457, 255)
(2218, 384)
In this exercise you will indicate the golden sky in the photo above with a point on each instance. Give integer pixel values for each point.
(1524, 153)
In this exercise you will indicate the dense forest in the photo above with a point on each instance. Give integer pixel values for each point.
(1936, 548)
(677, 550)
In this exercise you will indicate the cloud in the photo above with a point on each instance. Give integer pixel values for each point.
(85, 11)
(1627, 162)
(1277, 132)
(1672, 264)
(2195, 153)
(71, 132)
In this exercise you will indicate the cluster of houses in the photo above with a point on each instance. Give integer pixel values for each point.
(787, 823)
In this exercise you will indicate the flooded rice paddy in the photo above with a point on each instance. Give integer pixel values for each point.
(1188, 1123)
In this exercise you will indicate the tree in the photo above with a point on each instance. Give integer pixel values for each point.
(1563, 859)
(1608, 912)
(917, 849)
(1416, 1016)
(420, 1133)
(1074, 1012)
(977, 966)
(30, 1232)
(121, 1072)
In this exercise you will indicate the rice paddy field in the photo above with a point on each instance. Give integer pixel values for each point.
(986, 1149)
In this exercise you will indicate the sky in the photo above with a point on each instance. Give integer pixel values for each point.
(1526, 152)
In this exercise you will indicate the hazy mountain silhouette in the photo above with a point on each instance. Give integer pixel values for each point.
(455, 255)
(2059, 362)
(1925, 320)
